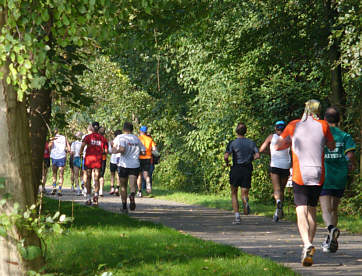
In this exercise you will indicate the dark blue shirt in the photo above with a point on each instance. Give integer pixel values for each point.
(243, 150)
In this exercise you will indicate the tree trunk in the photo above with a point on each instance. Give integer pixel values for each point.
(337, 96)
(39, 108)
(15, 171)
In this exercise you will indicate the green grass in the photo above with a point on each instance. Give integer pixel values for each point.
(352, 224)
(100, 241)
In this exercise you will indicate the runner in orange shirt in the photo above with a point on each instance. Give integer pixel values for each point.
(145, 160)
(307, 137)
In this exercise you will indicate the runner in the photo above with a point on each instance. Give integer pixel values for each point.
(58, 146)
(113, 165)
(337, 163)
(279, 168)
(145, 161)
(77, 164)
(243, 151)
(71, 168)
(307, 138)
(84, 170)
(130, 148)
(96, 145)
(46, 165)
(102, 131)
(155, 159)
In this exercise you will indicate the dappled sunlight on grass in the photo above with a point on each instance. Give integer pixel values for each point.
(100, 241)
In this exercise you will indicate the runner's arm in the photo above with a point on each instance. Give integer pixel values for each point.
(226, 158)
(82, 148)
(351, 160)
(263, 148)
(67, 145)
(282, 144)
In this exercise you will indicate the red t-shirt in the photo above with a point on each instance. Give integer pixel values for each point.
(46, 150)
(96, 145)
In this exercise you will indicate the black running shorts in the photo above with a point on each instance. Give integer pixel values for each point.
(113, 167)
(125, 172)
(240, 176)
(305, 195)
(103, 168)
(279, 171)
(145, 165)
(332, 192)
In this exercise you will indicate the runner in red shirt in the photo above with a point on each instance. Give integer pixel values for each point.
(46, 165)
(96, 146)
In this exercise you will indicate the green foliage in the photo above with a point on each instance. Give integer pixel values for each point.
(28, 220)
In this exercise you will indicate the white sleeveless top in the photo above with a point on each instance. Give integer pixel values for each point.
(279, 158)
(58, 149)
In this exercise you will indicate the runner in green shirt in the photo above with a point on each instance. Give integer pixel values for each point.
(337, 163)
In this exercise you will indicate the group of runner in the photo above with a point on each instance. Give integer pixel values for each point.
(321, 155)
(131, 157)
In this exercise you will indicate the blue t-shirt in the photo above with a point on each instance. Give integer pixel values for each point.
(243, 150)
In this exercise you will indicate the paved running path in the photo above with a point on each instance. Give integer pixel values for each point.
(256, 235)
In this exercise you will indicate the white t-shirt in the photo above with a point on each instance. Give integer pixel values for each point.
(75, 148)
(133, 146)
(279, 158)
(114, 156)
(58, 148)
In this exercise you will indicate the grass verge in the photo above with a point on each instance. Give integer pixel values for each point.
(346, 222)
(100, 241)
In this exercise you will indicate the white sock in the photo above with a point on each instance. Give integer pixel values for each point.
(237, 215)
(307, 245)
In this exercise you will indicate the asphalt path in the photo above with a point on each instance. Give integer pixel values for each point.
(256, 235)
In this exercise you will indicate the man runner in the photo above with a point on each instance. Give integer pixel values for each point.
(145, 161)
(130, 148)
(58, 153)
(102, 131)
(244, 151)
(307, 137)
(337, 164)
(113, 165)
(96, 146)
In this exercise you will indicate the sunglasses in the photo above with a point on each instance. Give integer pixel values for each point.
(279, 127)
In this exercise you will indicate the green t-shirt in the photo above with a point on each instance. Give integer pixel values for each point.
(335, 161)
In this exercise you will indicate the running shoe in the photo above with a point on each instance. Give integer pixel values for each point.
(148, 188)
(139, 194)
(88, 202)
(236, 220)
(60, 193)
(307, 255)
(117, 192)
(275, 216)
(124, 211)
(79, 193)
(54, 192)
(112, 191)
(280, 210)
(132, 204)
(325, 245)
(95, 200)
(44, 191)
(333, 236)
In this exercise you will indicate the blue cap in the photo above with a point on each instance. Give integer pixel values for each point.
(143, 129)
(280, 123)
